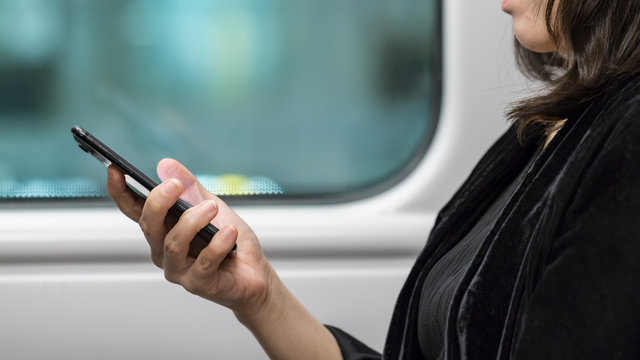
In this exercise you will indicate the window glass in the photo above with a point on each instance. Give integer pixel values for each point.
(289, 98)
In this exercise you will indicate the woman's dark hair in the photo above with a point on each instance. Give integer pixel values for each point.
(599, 42)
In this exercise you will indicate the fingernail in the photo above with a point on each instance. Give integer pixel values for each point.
(171, 187)
(209, 206)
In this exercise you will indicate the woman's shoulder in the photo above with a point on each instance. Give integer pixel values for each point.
(616, 122)
(606, 126)
(605, 162)
(619, 99)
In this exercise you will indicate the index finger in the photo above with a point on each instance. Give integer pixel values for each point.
(127, 200)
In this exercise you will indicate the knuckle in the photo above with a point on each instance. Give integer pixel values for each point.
(171, 246)
(156, 260)
(205, 264)
(145, 227)
(193, 287)
(218, 252)
(154, 206)
(189, 211)
(191, 220)
(170, 277)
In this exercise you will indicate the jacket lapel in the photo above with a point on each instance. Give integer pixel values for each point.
(502, 162)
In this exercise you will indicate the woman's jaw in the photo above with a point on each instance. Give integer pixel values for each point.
(529, 24)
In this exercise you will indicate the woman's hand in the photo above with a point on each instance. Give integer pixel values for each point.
(244, 281)
(240, 281)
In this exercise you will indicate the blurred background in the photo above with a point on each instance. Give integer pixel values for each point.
(307, 98)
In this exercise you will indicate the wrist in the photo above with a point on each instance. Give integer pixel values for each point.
(285, 329)
(270, 308)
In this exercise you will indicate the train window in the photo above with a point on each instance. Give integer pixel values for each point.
(282, 99)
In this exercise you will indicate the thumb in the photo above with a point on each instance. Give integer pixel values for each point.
(193, 190)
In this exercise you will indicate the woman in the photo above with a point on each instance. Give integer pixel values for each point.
(535, 256)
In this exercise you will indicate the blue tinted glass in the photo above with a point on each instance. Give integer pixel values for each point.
(285, 97)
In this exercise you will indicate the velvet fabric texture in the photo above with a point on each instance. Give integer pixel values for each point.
(558, 276)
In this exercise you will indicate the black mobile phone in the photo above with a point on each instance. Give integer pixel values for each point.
(139, 181)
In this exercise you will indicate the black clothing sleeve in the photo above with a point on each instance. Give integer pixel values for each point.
(351, 348)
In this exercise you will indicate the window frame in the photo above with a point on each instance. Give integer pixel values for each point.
(311, 198)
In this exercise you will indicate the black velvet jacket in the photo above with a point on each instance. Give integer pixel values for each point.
(558, 276)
